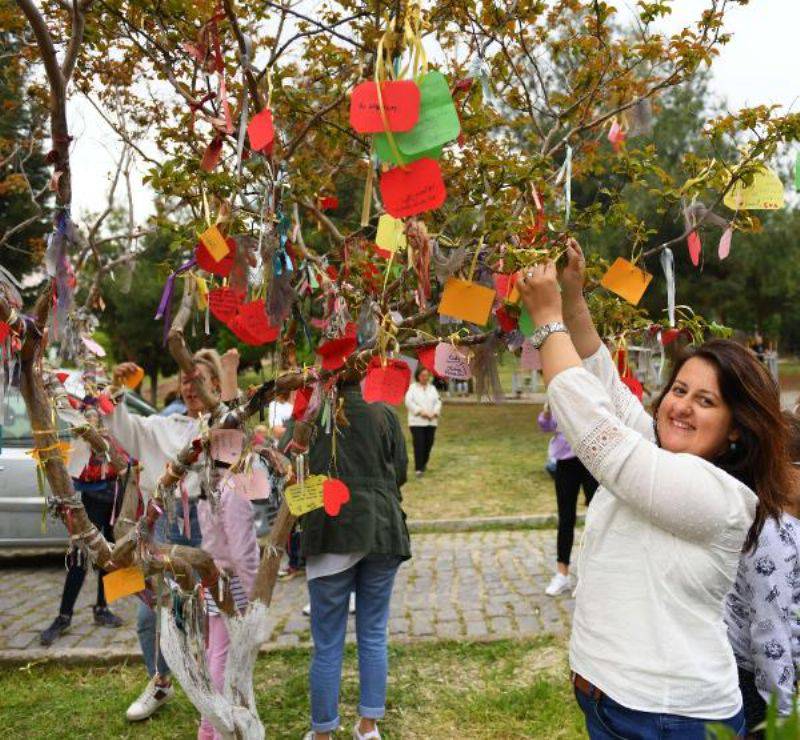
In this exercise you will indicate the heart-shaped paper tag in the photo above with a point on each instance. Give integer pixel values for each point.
(334, 494)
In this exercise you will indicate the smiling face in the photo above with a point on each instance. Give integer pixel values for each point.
(693, 417)
(194, 405)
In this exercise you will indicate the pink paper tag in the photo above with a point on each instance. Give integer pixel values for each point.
(530, 359)
(252, 485)
(451, 363)
(725, 243)
(93, 347)
(226, 445)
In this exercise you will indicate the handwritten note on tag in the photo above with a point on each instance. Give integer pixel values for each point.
(450, 362)
(626, 280)
(764, 193)
(401, 100)
(123, 582)
(391, 233)
(215, 243)
(407, 191)
(252, 486)
(467, 301)
(226, 445)
(224, 303)
(306, 497)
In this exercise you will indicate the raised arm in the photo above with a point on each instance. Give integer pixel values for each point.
(576, 312)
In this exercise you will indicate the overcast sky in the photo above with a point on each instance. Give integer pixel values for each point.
(758, 66)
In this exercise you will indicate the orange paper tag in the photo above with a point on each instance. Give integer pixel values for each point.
(136, 377)
(626, 280)
(123, 582)
(215, 243)
(467, 301)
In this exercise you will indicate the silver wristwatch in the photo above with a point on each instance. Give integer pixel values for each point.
(540, 335)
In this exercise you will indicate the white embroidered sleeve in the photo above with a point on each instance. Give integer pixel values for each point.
(626, 406)
(680, 493)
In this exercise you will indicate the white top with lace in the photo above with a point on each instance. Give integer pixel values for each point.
(660, 551)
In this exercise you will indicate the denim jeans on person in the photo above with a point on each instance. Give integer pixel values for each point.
(146, 618)
(608, 720)
(372, 580)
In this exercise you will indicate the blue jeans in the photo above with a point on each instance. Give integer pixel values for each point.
(146, 617)
(372, 580)
(607, 720)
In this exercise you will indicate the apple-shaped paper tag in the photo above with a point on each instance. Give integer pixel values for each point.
(334, 494)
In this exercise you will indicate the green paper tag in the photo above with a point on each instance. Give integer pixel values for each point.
(384, 152)
(437, 124)
(525, 323)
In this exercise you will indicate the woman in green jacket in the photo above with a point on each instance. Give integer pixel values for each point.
(358, 550)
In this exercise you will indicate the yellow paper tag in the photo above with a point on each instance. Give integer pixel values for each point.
(391, 233)
(202, 293)
(215, 243)
(305, 498)
(764, 193)
(123, 582)
(626, 280)
(467, 301)
(64, 449)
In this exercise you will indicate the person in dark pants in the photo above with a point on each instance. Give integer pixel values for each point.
(424, 407)
(570, 476)
(97, 485)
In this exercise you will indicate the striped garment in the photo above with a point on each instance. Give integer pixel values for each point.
(239, 597)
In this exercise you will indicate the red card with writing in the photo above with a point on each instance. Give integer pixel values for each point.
(224, 303)
(212, 155)
(334, 352)
(401, 101)
(206, 262)
(386, 383)
(260, 131)
(251, 324)
(334, 494)
(414, 189)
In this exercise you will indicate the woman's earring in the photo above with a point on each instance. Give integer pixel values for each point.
(733, 446)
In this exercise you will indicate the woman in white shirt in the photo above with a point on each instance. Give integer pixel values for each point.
(424, 407)
(663, 537)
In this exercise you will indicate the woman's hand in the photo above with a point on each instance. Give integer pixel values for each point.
(573, 275)
(538, 286)
(230, 367)
(122, 371)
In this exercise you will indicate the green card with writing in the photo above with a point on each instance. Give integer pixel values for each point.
(437, 124)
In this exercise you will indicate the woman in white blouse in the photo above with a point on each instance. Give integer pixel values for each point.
(424, 407)
(677, 498)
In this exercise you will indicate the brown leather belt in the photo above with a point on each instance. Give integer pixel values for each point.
(586, 688)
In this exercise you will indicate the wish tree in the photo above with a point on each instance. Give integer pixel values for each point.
(352, 187)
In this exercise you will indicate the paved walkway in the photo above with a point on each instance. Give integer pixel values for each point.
(471, 585)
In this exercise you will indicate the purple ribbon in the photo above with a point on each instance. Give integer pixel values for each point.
(165, 304)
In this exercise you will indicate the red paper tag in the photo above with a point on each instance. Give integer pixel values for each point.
(212, 155)
(334, 352)
(634, 385)
(206, 262)
(260, 131)
(427, 358)
(334, 494)
(105, 404)
(386, 383)
(224, 303)
(251, 324)
(401, 101)
(328, 203)
(695, 247)
(506, 322)
(302, 398)
(414, 189)
(5, 330)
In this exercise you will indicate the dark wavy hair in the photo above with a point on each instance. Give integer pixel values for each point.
(760, 458)
(419, 369)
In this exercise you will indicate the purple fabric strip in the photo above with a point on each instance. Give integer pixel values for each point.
(165, 304)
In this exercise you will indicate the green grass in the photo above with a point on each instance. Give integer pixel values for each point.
(504, 689)
(487, 461)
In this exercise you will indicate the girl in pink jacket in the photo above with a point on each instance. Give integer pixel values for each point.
(229, 536)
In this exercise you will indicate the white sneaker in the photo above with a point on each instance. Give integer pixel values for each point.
(307, 610)
(559, 585)
(149, 700)
(352, 607)
(371, 735)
